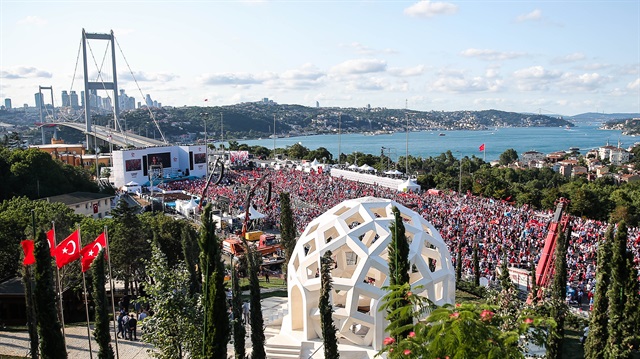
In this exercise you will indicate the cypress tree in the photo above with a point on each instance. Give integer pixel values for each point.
(459, 262)
(190, 253)
(239, 330)
(558, 295)
(101, 332)
(476, 266)
(631, 322)
(616, 293)
(533, 294)
(216, 329)
(598, 332)
(287, 228)
(27, 281)
(399, 274)
(329, 330)
(257, 321)
(398, 251)
(49, 328)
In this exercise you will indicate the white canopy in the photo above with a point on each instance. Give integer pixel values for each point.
(315, 163)
(409, 186)
(394, 172)
(366, 167)
(352, 167)
(132, 183)
(253, 214)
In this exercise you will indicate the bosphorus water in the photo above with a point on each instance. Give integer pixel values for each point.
(461, 143)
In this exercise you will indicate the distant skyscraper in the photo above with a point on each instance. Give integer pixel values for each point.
(39, 101)
(7, 103)
(149, 101)
(74, 100)
(317, 104)
(82, 98)
(66, 100)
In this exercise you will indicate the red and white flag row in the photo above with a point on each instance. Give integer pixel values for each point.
(69, 250)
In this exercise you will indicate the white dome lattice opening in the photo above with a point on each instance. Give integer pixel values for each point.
(357, 233)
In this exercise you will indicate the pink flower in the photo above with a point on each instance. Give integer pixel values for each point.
(412, 334)
(407, 352)
(454, 315)
(457, 305)
(388, 341)
(528, 321)
(486, 314)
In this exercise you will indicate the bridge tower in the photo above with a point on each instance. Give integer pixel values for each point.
(41, 107)
(102, 85)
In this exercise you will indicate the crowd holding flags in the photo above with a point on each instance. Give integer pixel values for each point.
(68, 251)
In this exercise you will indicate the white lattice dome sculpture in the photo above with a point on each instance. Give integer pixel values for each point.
(357, 233)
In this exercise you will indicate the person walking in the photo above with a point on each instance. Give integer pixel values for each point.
(133, 322)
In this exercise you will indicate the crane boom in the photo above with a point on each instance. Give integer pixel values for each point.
(558, 224)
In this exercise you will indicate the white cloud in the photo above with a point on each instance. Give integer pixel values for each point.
(33, 21)
(408, 71)
(360, 66)
(585, 82)
(427, 9)
(634, 85)
(240, 78)
(306, 72)
(594, 66)
(535, 15)
(489, 101)
(535, 78)
(361, 49)
(458, 82)
(576, 56)
(143, 76)
(22, 72)
(491, 55)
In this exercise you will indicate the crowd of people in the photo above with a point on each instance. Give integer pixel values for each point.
(498, 227)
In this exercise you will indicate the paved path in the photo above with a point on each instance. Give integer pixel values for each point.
(17, 343)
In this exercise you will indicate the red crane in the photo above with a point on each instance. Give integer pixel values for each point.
(559, 223)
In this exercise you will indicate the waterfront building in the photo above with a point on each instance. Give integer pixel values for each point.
(7, 103)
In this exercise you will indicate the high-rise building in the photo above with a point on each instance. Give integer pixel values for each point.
(74, 100)
(66, 100)
(39, 100)
(82, 99)
(149, 101)
(7, 103)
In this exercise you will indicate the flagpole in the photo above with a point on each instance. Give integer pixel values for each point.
(58, 284)
(86, 307)
(29, 291)
(113, 306)
(484, 153)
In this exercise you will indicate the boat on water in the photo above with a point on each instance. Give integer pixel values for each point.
(574, 148)
(442, 134)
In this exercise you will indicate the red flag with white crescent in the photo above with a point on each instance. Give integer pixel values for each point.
(91, 250)
(68, 250)
(51, 238)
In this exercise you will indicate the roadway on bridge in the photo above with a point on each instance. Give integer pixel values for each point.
(117, 138)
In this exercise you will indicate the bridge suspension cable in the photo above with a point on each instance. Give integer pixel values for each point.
(153, 117)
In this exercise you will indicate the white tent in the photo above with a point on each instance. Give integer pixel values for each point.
(132, 187)
(367, 168)
(253, 214)
(352, 167)
(394, 172)
(409, 186)
(314, 163)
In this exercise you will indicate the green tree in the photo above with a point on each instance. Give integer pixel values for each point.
(32, 327)
(49, 328)
(126, 237)
(329, 330)
(239, 330)
(297, 151)
(398, 274)
(216, 328)
(287, 228)
(190, 253)
(175, 328)
(101, 331)
(558, 295)
(598, 331)
(631, 322)
(616, 293)
(508, 156)
(255, 314)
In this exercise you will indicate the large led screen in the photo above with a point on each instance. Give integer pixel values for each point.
(133, 165)
(155, 159)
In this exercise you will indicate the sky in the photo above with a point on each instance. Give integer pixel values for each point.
(548, 57)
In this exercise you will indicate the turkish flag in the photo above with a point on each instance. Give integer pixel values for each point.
(51, 238)
(481, 148)
(68, 250)
(27, 247)
(91, 250)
